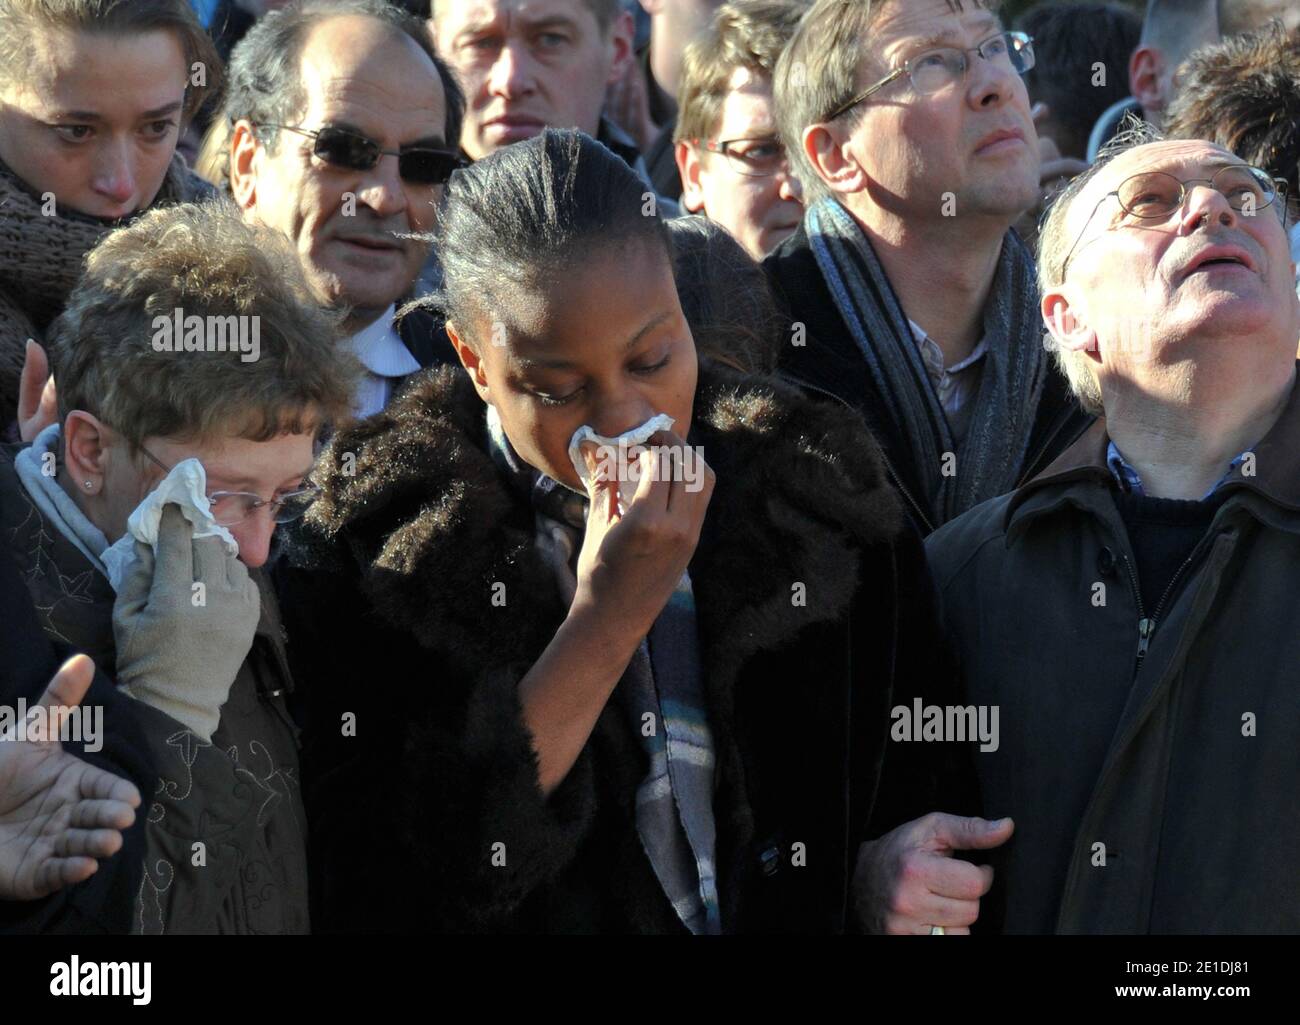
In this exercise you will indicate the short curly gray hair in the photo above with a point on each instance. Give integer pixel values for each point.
(206, 260)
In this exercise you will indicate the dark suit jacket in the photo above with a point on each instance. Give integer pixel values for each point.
(425, 337)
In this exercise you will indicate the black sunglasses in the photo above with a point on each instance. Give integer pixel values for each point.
(419, 165)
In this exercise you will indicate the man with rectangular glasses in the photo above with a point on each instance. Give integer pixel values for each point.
(907, 293)
(343, 133)
(730, 155)
(1132, 609)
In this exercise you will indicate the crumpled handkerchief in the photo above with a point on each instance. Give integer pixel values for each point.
(187, 486)
(637, 436)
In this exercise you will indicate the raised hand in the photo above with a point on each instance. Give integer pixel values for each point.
(628, 568)
(179, 645)
(57, 813)
(630, 564)
(38, 404)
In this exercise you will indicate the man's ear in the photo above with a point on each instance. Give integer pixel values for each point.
(84, 451)
(833, 161)
(689, 167)
(469, 359)
(621, 33)
(1146, 70)
(1066, 323)
(243, 154)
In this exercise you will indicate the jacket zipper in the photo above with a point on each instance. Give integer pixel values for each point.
(1147, 624)
(889, 467)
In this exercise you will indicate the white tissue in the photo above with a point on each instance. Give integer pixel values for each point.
(637, 436)
(186, 486)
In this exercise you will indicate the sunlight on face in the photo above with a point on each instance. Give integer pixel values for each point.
(975, 140)
(96, 118)
(267, 469)
(524, 65)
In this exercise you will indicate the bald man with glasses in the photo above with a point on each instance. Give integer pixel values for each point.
(1132, 610)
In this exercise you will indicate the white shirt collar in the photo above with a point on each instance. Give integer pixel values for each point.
(380, 350)
(930, 348)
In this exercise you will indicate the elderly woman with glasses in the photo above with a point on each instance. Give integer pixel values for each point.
(187, 627)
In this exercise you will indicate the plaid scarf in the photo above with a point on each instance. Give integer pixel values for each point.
(662, 695)
(997, 439)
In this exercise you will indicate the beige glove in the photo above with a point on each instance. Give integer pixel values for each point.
(179, 646)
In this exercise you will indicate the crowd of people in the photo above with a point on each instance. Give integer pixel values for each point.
(678, 467)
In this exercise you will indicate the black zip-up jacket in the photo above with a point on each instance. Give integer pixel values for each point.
(1148, 752)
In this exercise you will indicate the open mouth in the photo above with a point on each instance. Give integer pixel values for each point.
(1220, 257)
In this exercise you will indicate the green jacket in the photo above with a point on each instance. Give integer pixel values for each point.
(1151, 794)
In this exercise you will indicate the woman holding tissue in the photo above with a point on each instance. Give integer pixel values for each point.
(141, 519)
(602, 638)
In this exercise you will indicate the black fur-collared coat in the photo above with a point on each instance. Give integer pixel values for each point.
(815, 616)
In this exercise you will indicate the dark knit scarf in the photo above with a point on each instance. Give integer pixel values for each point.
(1015, 367)
(41, 258)
(662, 695)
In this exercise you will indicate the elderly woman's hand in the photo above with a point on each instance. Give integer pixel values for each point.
(57, 812)
(184, 623)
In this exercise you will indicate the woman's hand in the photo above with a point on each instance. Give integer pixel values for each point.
(628, 568)
(630, 564)
(184, 623)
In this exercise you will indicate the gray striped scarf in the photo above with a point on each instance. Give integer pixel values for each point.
(997, 440)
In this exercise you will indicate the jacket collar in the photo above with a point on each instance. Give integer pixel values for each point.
(1274, 477)
(414, 498)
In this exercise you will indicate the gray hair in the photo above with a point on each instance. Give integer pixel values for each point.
(264, 84)
(1053, 240)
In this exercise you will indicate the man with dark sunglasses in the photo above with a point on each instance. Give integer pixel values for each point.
(344, 130)
(908, 294)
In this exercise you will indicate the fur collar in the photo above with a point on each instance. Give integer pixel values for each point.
(413, 496)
